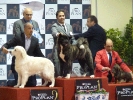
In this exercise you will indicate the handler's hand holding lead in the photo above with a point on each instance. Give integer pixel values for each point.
(4, 50)
(106, 69)
(58, 34)
(71, 33)
(131, 74)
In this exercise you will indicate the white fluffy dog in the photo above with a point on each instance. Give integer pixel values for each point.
(28, 65)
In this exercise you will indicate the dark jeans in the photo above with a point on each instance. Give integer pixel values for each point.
(30, 83)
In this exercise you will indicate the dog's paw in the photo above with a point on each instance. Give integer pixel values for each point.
(81, 47)
(59, 76)
(68, 76)
(16, 86)
(21, 86)
(92, 76)
(84, 75)
(51, 85)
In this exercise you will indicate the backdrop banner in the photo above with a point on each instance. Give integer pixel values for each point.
(76, 12)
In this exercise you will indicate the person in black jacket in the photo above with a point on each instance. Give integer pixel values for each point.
(95, 34)
(31, 45)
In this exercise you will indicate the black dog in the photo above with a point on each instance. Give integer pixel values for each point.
(119, 74)
(68, 53)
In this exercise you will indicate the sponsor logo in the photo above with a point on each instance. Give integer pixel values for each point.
(76, 0)
(87, 12)
(2, 73)
(76, 26)
(10, 26)
(10, 74)
(86, 0)
(76, 11)
(2, 58)
(85, 27)
(44, 94)
(64, 0)
(13, 12)
(9, 57)
(50, 41)
(2, 11)
(1, 42)
(42, 27)
(2, 27)
(76, 70)
(51, 11)
(91, 85)
(65, 8)
(125, 91)
(51, 0)
(49, 25)
(49, 56)
(2, 83)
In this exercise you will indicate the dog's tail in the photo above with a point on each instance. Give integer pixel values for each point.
(83, 45)
(81, 42)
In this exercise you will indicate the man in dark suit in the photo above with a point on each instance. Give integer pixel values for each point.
(95, 34)
(18, 26)
(30, 43)
(60, 28)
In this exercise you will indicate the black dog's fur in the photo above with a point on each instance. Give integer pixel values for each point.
(119, 74)
(73, 52)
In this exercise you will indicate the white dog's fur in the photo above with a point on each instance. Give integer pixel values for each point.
(28, 65)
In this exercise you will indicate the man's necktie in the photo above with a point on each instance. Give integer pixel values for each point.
(64, 27)
(109, 73)
(110, 58)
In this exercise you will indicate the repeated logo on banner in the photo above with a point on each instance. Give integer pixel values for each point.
(50, 94)
(76, 12)
(124, 92)
(91, 85)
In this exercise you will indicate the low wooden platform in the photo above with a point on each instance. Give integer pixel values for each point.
(112, 89)
(66, 89)
(10, 93)
(69, 86)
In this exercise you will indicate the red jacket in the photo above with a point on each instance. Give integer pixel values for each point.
(101, 61)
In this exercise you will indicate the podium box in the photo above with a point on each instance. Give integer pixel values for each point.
(66, 89)
(112, 89)
(11, 93)
(69, 88)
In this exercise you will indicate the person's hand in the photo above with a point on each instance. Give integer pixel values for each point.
(58, 34)
(71, 33)
(4, 50)
(106, 69)
(131, 74)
